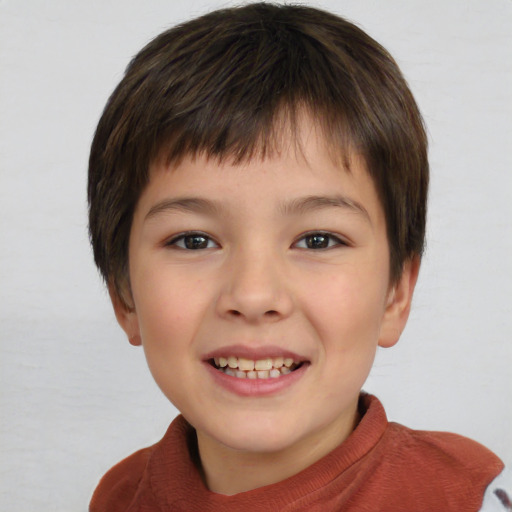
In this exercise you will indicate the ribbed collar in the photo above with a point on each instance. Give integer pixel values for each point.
(177, 485)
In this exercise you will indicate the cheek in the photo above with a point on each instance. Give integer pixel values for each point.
(350, 300)
(346, 312)
(168, 306)
(349, 331)
(169, 312)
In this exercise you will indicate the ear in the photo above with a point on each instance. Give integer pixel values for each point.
(398, 304)
(126, 317)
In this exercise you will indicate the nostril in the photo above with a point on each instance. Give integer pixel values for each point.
(271, 313)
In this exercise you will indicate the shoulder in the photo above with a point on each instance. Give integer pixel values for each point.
(118, 487)
(139, 478)
(452, 448)
(450, 466)
(446, 452)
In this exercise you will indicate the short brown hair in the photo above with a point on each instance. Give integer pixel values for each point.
(219, 84)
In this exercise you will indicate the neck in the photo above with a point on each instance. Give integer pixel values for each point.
(230, 471)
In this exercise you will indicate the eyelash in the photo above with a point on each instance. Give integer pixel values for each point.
(181, 240)
(183, 237)
(332, 240)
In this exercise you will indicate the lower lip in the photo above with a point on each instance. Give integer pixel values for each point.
(256, 387)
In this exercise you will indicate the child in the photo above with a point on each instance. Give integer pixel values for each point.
(257, 191)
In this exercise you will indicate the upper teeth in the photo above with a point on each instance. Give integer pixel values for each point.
(249, 364)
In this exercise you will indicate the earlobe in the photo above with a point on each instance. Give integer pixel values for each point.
(136, 340)
(398, 304)
(126, 317)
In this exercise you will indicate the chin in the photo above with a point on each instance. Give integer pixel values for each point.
(261, 435)
(258, 435)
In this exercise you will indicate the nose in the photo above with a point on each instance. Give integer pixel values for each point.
(255, 289)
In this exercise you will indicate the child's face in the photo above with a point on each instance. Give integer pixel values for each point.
(281, 258)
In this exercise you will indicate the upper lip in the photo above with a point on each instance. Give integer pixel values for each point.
(254, 353)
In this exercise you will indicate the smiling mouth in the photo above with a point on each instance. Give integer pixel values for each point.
(267, 368)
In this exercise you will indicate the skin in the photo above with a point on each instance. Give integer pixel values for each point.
(257, 283)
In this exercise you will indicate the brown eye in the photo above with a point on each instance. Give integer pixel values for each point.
(193, 241)
(319, 241)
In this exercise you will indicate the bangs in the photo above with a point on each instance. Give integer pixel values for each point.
(277, 133)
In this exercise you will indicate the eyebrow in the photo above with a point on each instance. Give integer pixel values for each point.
(185, 204)
(300, 205)
(312, 203)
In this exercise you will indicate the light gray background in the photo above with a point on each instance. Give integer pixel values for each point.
(75, 397)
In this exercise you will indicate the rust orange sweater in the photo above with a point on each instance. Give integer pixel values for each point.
(381, 467)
